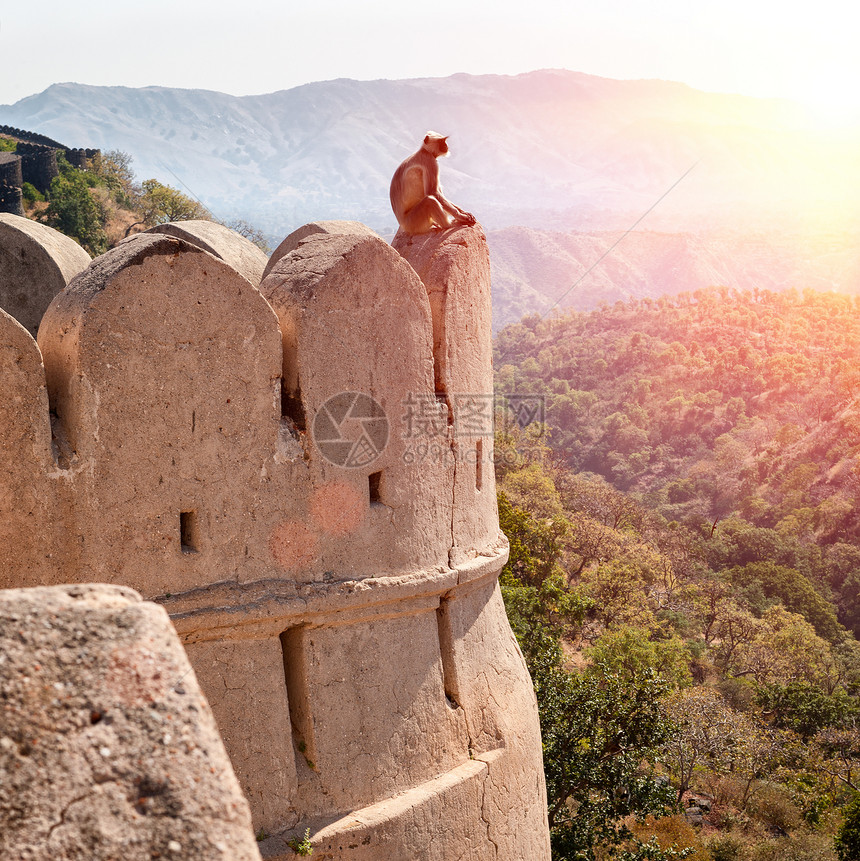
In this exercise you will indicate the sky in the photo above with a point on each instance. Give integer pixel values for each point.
(805, 51)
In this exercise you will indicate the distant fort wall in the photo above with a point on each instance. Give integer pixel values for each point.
(36, 160)
(31, 137)
(302, 474)
(11, 199)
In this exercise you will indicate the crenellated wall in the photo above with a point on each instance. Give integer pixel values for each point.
(302, 475)
(79, 157)
(38, 164)
(35, 161)
(30, 137)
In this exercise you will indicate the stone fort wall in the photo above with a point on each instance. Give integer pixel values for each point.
(302, 475)
(35, 161)
(31, 137)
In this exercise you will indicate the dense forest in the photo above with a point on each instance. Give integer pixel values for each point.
(685, 572)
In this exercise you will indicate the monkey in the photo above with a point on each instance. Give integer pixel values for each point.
(416, 196)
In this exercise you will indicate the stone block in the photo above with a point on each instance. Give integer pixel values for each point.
(234, 249)
(107, 746)
(454, 266)
(36, 263)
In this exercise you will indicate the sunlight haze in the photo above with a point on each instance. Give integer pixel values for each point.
(763, 49)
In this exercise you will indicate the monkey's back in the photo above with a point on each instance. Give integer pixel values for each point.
(408, 186)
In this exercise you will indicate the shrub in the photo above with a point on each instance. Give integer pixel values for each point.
(803, 846)
(848, 837)
(726, 848)
(773, 806)
(31, 194)
(672, 832)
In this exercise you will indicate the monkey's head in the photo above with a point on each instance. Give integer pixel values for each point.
(436, 144)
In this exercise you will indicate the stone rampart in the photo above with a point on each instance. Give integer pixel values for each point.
(38, 164)
(302, 476)
(11, 180)
(80, 158)
(37, 160)
(11, 200)
(36, 262)
(10, 169)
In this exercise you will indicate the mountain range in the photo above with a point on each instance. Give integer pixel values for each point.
(555, 164)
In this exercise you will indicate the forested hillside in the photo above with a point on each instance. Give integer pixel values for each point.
(685, 570)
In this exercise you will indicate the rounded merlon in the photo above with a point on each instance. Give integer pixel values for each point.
(226, 244)
(36, 263)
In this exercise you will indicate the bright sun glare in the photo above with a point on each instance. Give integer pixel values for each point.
(832, 104)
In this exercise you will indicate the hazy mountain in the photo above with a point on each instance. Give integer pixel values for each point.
(550, 149)
(541, 271)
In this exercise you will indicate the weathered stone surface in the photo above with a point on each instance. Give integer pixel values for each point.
(335, 295)
(341, 614)
(36, 262)
(108, 749)
(28, 496)
(454, 266)
(234, 249)
(261, 748)
(354, 228)
(162, 366)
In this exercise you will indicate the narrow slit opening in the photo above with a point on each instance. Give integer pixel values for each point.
(479, 464)
(298, 696)
(188, 533)
(446, 649)
(292, 409)
(374, 482)
(61, 448)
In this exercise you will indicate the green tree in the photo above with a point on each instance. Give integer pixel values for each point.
(631, 653)
(540, 607)
(601, 737)
(74, 211)
(805, 708)
(847, 841)
(778, 582)
(535, 544)
(160, 204)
